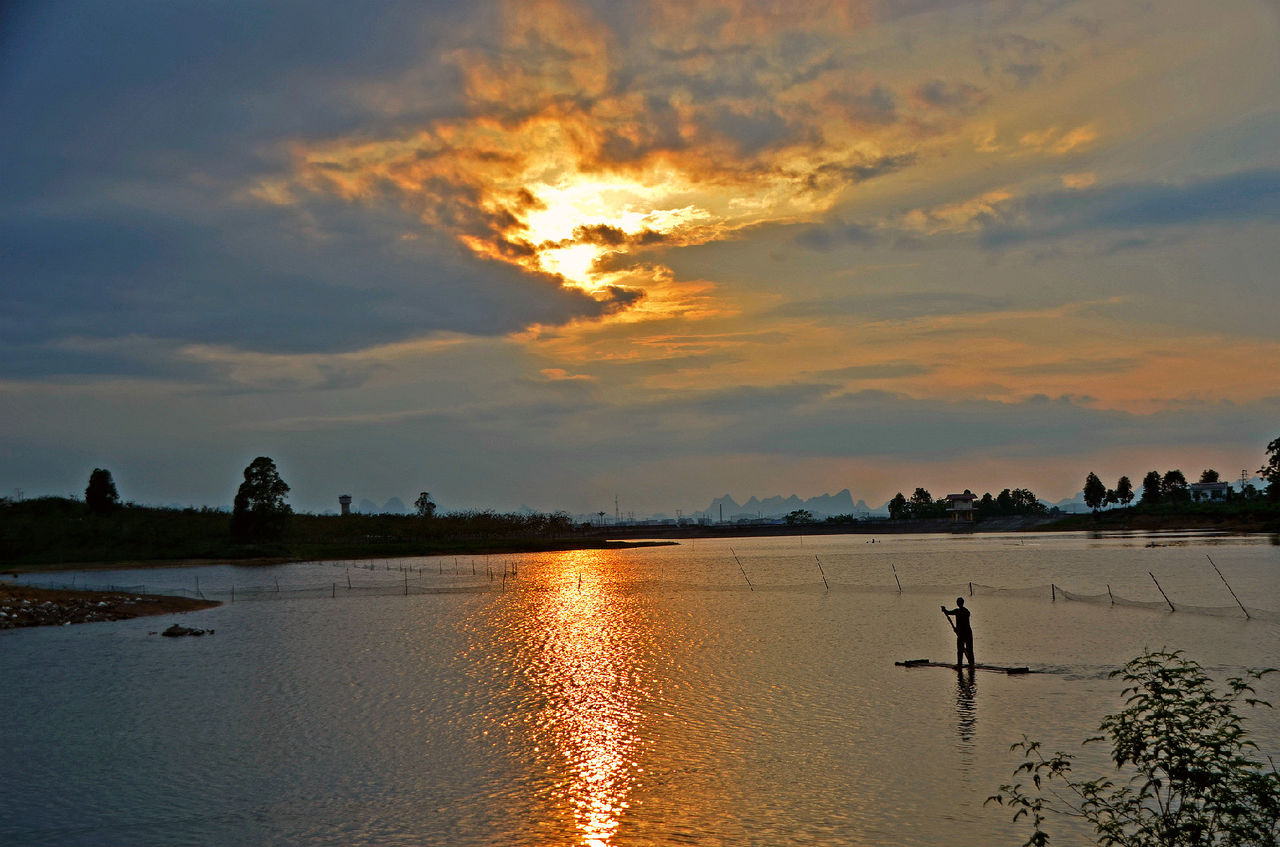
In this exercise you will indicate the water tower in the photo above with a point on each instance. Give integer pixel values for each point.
(345, 502)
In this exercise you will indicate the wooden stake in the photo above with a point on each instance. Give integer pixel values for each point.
(744, 572)
(1228, 585)
(824, 574)
(895, 576)
(1161, 590)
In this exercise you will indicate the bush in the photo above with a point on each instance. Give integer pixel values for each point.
(1188, 778)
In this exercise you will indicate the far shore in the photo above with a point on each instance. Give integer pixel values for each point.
(624, 537)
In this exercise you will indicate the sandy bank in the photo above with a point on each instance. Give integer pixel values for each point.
(22, 605)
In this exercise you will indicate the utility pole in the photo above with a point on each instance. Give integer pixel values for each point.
(617, 515)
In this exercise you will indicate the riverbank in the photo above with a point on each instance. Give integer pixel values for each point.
(24, 605)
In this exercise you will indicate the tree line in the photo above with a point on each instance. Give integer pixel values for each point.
(1172, 487)
(261, 524)
(1009, 502)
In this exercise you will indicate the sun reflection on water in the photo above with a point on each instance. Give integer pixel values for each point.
(586, 667)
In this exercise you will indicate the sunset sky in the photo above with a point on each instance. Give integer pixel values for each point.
(546, 253)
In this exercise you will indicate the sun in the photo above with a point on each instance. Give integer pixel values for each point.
(579, 218)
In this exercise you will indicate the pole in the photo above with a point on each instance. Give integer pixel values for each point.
(895, 577)
(744, 572)
(1161, 590)
(1110, 596)
(1053, 592)
(1228, 585)
(824, 574)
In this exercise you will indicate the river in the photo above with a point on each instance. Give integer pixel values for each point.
(719, 692)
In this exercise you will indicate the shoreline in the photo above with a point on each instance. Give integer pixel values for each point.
(25, 606)
(623, 538)
(15, 568)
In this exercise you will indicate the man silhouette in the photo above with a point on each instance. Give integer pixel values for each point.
(964, 633)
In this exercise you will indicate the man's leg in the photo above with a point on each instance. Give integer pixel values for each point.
(968, 650)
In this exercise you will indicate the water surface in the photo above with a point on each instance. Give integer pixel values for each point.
(718, 692)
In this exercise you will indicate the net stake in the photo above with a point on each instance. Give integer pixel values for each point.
(1161, 590)
(1228, 585)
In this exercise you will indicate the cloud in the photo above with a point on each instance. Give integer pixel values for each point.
(1242, 197)
(967, 216)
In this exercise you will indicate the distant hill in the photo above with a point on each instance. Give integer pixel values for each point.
(822, 506)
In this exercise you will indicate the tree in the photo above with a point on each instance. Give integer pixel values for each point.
(1209, 475)
(1184, 755)
(898, 507)
(1025, 502)
(1004, 502)
(1173, 487)
(1095, 493)
(100, 495)
(921, 503)
(1271, 470)
(260, 511)
(424, 506)
(799, 516)
(1151, 488)
(1124, 491)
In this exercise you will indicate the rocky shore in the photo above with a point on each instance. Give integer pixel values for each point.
(22, 605)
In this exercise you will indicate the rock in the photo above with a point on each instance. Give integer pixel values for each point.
(177, 631)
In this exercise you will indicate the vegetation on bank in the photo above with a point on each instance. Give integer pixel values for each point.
(1187, 772)
(58, 530)
(1168, 500)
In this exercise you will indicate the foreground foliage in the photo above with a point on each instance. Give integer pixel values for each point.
(1187, 776)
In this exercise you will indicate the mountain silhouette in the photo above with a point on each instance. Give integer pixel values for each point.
(777, 506)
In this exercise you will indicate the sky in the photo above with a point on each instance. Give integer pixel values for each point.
(552, 253)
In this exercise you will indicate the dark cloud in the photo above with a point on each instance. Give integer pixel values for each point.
(873, 306)
(836, 234)
(941, 94)
(612, 236)
(1021, 59)
(886, 370)
(1070, 367)
(1233, 198)
(250, 281)
(858, 171)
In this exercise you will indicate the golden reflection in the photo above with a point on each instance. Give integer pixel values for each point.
(587, 670)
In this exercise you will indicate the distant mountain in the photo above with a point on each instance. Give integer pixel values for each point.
(394, 506)
(367, 507)
(822, 506)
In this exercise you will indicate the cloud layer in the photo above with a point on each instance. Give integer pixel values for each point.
(517, 252)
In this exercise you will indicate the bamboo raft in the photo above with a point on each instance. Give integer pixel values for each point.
(926, 663)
